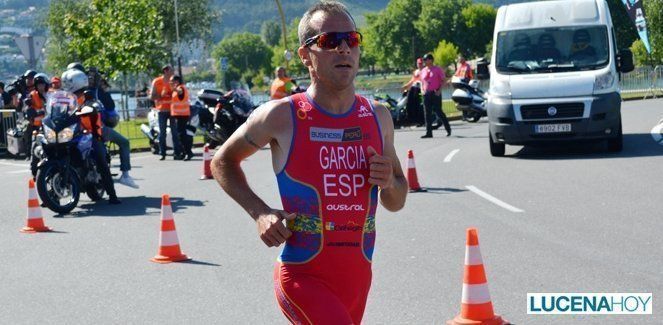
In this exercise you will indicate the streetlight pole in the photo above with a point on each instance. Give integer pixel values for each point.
(177, 36)
(285, 38)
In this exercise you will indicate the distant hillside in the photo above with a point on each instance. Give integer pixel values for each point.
(248, 15)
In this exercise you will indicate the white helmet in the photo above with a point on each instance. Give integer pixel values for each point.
(74, 80)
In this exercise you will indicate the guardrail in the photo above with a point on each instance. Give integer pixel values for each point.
(647, 81)
(8, 119)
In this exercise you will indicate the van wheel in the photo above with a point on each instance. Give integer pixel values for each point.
(496, 149)
(616, 144)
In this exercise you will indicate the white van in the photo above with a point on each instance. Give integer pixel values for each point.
(554, 75)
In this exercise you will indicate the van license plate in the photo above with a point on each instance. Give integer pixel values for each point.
(552, 128)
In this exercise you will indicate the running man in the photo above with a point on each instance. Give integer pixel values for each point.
(334, 158)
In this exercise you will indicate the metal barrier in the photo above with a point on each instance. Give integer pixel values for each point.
(8, 121)
(647, 81)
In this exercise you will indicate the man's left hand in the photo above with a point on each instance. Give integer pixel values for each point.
(381, 169)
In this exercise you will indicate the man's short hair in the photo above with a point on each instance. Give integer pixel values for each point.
(2, 85)
(176, 78)
(305, 31)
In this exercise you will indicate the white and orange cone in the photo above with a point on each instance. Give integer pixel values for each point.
(207, 161)
(169, 244)
(35, 221)
(412, 180)
(476, 306)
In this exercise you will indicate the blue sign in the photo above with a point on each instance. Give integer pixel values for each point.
(224, 63)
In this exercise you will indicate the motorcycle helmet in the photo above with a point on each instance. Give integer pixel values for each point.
(74, 80)
(29, 74)
(42, 78)
(76, 66)
(111, 119)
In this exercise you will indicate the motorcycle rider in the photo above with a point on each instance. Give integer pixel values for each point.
(180, 109)
(110, 119)
(35, 112)
(76, 82)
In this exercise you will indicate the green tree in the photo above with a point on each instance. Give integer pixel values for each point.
(445, 54)
(121, 36)
(640, 55)
(196, 18)
(391, 38)
(441, 20)
(247, 56)
(271, 32)
(654, 12)
(478, 24)
(295, 65)
(107, 34)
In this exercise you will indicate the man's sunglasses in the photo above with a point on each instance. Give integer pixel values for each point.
(332, 40)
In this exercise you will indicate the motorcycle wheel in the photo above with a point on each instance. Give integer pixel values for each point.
(59, 194)
(476, 118)
(95, 191)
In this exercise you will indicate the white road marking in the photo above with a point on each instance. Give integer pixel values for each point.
(451, 155)
(13, 164)
(493, 199)
(657, 133)
(19, 171)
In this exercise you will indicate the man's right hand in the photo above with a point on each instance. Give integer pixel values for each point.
(271, 228)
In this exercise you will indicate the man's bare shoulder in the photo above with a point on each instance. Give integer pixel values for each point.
(274, 114)
(384, 116)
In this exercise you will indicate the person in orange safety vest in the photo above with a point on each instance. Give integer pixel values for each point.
(180, 109)
(162, 93)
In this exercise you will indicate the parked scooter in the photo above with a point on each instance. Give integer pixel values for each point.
(469, 99)
(151, 129)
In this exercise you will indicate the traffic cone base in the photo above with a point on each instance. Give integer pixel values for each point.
(35, 222)
(169, 259)
(496, 320)
(32, 230)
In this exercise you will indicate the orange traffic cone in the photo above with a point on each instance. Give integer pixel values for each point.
(476, 307)
(412, 179)
(207, 160)
(35, 219)
(169, 244)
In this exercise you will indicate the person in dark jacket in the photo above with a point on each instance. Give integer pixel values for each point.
(110, 119)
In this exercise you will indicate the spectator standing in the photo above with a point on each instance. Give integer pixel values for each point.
(282, 85)
(180, 109)
(161, 94)
(432, 78)
(464, 70)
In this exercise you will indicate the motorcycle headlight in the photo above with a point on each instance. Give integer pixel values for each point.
(49, 134)
(603, 81)
(66, 134)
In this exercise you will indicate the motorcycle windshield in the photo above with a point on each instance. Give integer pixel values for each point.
(59, 109)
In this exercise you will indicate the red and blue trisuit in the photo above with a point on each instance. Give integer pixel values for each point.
(323, 274)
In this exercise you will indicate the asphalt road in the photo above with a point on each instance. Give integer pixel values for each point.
(566, 219)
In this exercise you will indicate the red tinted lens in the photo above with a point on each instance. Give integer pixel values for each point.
(353, 39)
(328, 41)
(332, 40)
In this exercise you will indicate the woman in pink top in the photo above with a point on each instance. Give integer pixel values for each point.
(432, 78)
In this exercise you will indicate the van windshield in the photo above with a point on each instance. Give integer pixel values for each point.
(552, 49)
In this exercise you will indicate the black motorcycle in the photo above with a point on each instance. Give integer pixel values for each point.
(67, 164)
(223, 114)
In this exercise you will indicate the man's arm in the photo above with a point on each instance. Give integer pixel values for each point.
(260, 129)
(386, 170)
(154, 94)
